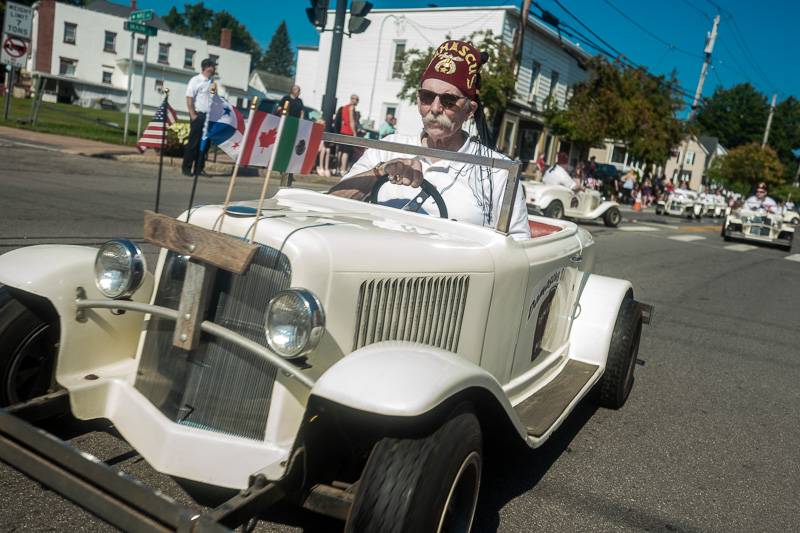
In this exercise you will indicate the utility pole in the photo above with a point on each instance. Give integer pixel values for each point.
(128, 98)
(769, 121)
(141, 91)
(329, 99)
(704, 70)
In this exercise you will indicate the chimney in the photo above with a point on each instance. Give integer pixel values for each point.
(225, 38)
(133, 5)
(46, 14)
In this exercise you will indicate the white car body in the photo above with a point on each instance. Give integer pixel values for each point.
(759, 225)
(713, 204)
(681, 204)
(553, 200)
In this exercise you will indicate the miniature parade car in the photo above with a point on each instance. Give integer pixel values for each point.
(760, 226)
(681, 204)
(713, 204)
(555, 201)
(273, 357)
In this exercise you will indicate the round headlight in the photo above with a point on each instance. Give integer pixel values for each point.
(295, 322)
(119, 268)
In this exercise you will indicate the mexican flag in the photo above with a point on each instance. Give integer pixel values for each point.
(296, 150)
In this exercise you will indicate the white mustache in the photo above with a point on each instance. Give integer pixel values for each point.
(443, 121)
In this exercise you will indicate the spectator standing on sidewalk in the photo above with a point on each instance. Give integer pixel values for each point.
(295, 103)
(198, 98)
(388, 126)
(348, 118)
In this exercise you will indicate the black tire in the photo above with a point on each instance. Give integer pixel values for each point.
(418, 485)
(659, 209)
(612, 217)
(617, 381)
(554, 210)
(27, 352)
(724, 233)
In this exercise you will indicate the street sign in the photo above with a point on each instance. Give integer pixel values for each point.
(14, 51)
(143, 15)
(138, 27)
(18, 20)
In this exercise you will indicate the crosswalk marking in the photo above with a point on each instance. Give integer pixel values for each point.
(687, 238)
(793, 257)
(637, 228)
(740, 247)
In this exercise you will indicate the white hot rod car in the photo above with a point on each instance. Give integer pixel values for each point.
(555, 201)
(681, 203)
(348, 357)
(760, 225)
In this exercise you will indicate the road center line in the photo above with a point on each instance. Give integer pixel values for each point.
(740, 247)
(637, 228)
(793, 257)
(687, 238)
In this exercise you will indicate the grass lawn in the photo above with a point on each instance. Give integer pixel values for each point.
(72, 120)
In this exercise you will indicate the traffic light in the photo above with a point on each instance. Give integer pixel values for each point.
(358, 22)
(318, 13)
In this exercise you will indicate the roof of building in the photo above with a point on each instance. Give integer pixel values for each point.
(123, 11)
(711, 144)
(274, 82)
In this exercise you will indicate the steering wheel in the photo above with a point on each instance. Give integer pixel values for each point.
(414, 205)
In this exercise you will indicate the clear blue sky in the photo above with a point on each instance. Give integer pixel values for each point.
(757, 42)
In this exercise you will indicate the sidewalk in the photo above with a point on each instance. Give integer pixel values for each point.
(118, 152)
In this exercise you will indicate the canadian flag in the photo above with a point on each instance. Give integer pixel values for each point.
(261, 139)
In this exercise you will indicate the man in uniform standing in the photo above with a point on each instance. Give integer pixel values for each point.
(198, 98)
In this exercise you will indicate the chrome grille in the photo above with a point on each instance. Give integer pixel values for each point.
(218, 386)
(427, 310)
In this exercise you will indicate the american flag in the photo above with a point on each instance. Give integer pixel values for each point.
(164, 117)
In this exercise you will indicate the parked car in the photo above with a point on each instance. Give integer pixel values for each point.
(354, 359)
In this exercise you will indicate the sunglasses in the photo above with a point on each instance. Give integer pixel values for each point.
(448, 101)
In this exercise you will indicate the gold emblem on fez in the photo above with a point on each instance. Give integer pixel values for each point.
(447, 64)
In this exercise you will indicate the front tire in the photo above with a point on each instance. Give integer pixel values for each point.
(27, 352)
(554, 210)
(612, 217)
(659, 209)
(617, 382)
(422, 484)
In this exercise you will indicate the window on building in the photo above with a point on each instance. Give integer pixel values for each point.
(689, 158)
(163, 53)
(66, 66)
(110, 43)
(70, 32)
(397, 59)
(140, 46)
(188, 59)
(618, 154)
(159, 86)
(107, 77)
(553, 85)
(536, 71)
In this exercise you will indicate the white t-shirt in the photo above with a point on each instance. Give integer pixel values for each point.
(472, 193)
(199, 88)
(768, 204)
(556, 175)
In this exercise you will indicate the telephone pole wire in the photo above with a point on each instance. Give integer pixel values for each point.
(769, 121)
(712, 37)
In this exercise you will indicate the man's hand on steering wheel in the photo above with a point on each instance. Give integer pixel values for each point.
(401, 171)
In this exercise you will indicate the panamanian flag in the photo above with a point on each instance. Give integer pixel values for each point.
(224, 126)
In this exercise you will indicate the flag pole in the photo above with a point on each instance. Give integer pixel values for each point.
(163, 139)
(283, 113)
(238, 161)
(200, 150)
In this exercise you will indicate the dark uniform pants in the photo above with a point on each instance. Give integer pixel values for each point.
(191, 155)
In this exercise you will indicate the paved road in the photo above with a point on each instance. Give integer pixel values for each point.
(707, 442)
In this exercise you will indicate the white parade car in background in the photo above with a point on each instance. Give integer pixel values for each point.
(761, 226)
(555, 201)
(791, 216)
(713, 204)
(681, 203)
(353, 360)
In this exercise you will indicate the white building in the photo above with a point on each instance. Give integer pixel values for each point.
(82, 53)
(371, 68)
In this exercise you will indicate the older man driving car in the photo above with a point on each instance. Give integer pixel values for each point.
(447, 98)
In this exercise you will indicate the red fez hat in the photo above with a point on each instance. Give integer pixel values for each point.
(457, 63)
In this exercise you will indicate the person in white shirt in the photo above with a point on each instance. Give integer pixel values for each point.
(558, 175)
(761, 201)
(446, 99)
(198, 98)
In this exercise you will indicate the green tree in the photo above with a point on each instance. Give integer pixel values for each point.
(203, 23)
(279, 58)
(784, 135)
(625, 104)
(497, 75)
(746, 165)
(736, 116)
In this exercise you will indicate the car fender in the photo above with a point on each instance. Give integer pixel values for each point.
(405, 379)
(599, 304)
(55, 272)
(600, 209)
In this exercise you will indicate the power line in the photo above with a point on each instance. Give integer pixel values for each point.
(748, 54)
(706, 15)
(568, 12)
(670, 46)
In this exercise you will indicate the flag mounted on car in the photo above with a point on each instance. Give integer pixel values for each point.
(154, 133)
(224, 126)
